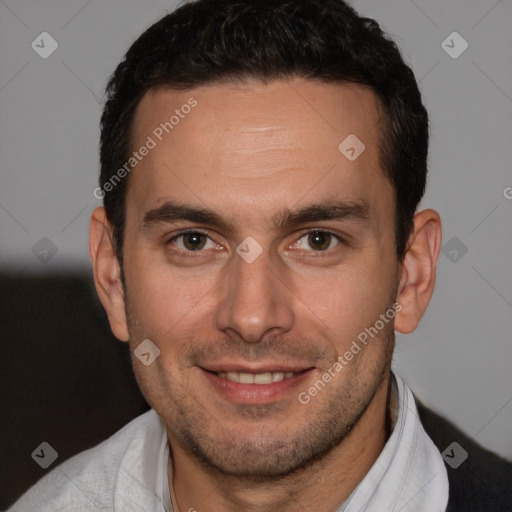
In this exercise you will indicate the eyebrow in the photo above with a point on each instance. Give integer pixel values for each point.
(172, 211)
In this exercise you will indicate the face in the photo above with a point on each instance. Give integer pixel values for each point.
(255, 253)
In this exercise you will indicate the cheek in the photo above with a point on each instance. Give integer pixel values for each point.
(166, 303)
(348, 300)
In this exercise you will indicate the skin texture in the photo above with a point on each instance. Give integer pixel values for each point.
(250, 152)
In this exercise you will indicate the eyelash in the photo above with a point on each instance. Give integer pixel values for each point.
(188, 254)
(196, 254)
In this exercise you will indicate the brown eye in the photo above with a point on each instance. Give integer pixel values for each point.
(319, 241)
(192, 241)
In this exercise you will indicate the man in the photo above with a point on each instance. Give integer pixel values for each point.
(261, 166)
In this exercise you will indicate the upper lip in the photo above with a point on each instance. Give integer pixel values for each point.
(260, 368)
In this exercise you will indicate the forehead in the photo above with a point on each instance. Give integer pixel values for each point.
(231, 146)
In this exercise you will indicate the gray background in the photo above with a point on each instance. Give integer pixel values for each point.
(459, 359)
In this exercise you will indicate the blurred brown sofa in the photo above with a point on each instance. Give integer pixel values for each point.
(65, 379)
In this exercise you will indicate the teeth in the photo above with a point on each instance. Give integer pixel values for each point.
(277, 376)
(245, 378)
(260, 378)
(232, 376)
(255, 378)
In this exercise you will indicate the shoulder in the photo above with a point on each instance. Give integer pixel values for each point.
(87, 481)
(483, 481)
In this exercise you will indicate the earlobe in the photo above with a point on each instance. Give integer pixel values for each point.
(107, 273)
(418, 275)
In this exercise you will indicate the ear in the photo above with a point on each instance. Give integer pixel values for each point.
(418, 275)
(107, 273)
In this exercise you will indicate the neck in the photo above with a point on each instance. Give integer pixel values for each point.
(323, 486)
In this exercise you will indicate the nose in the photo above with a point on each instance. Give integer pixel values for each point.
(255, 301)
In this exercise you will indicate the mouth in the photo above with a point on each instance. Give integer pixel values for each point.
(257, 378)
(256, 385)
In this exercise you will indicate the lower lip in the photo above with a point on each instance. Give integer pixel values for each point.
(256, 393)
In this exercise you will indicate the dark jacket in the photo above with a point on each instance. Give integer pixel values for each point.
(483, 482)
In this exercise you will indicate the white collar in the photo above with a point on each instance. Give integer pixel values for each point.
(408, 476)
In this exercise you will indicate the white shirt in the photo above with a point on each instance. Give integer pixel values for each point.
(128, 472)
(409, 475)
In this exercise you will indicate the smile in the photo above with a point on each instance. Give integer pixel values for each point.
(256, 378)
(265, 383)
